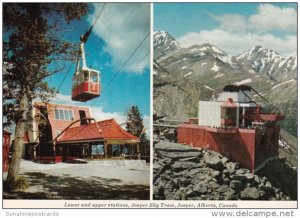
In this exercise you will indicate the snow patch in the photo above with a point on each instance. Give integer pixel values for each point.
(215, 49)
(215, 67)
(280, 84)
(200, 54)
(194, 49)
(184, 67)
(244, 81)
(219, 75)
(209, 88)
(226, 59)
(189, 73)
(203, 64)
(177, 62)
(203, 49)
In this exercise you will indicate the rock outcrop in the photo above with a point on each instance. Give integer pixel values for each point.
(185, 173)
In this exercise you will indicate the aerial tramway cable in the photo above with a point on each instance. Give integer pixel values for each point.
(114, 88)
(121, 68)
(124, 64)
(86, 83)
(84, 38)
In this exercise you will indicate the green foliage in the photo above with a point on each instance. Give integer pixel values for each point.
(30, 44)
(135, 126)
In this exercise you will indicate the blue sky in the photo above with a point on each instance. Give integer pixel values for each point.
(117, 33)
(233, 27)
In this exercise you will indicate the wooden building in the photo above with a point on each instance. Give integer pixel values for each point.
(70, 134)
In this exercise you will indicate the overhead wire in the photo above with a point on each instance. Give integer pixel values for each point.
(113, 89)
(99, 14)
(63, 80)
(95, 21)
(124, 64)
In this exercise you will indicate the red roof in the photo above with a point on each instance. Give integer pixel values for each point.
(102, 130)
(229, 103)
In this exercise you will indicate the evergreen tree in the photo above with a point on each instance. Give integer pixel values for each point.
(30, 44)
(135, 126)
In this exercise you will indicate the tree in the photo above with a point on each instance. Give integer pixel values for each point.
(31, 43)
(135, 126)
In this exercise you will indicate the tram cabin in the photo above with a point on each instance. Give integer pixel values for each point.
(86, 85)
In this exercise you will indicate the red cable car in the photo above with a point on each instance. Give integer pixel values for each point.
(86, 85)
(86, 81)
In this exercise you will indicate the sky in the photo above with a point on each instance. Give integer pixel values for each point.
(232, 27)
(119, 30)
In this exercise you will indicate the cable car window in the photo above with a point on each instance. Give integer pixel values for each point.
(79, 78)
(86, 75)
(94, 76)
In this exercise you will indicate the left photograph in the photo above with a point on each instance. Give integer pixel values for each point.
(76, 101)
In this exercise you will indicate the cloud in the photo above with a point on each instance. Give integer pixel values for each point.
(237, 33)
(271, 17)
(97, 112)
(123, 26)
(231, 22)
(236, 43)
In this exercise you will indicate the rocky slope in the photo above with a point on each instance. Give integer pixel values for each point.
(196, 72)
(186, 173)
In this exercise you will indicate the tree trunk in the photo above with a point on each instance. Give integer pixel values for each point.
(14, 168)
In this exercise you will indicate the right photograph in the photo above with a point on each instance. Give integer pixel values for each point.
(225, 101)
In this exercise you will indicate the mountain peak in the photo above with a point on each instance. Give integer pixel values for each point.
(163, 41)
(163, 37)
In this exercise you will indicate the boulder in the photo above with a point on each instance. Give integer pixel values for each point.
(231, 166)
(224, 160)
(200, 188)
(240, 177)
(213, 161)
(179, 155)
(158, 193)
(236, 185)
(182, 165)
(175, 147)
(250, 194)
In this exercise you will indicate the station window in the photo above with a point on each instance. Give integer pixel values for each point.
(64, 114)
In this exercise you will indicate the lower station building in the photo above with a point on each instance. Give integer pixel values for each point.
(234, 125)
(69, 134)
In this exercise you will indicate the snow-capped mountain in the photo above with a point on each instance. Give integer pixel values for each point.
(267, 61)
(163, 43)
(185, 75)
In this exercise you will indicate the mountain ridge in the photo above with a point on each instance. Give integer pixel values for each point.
(207, 69)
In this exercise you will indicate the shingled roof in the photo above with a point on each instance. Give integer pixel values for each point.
(102, 130)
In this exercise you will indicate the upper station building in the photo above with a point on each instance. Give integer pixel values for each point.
(234, 125)
(227, 109)
(69, 133)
